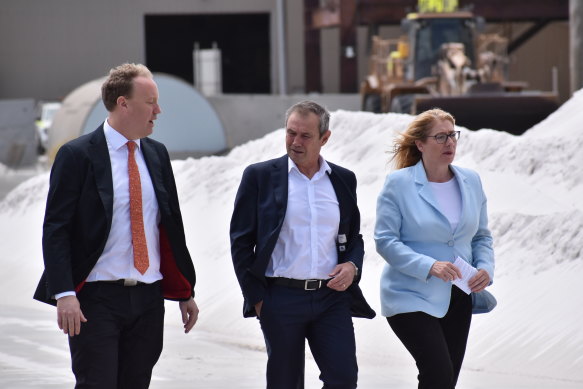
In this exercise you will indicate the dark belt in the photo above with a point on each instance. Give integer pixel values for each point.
(300, 284)
(125, 282)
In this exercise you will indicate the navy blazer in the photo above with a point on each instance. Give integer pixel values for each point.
(260, 207)
(79, 212)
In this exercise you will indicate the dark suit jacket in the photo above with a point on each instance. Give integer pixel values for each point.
(79, 212)
(260, 207)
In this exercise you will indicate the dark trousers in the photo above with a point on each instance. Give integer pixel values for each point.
(122, 339)
(437, 345)
(289, 316)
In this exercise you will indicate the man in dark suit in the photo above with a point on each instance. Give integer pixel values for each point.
(113, 240)
(297, 252)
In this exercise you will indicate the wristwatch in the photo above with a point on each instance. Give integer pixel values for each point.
(355, 269)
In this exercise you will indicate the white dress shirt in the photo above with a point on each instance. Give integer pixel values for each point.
(117, 260)
(306, 246)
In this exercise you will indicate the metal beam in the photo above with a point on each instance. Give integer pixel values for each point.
(526, 35)
(519, 10)
(313, 62)
(392, 11)
(348, 60)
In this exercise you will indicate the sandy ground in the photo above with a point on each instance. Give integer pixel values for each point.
(34, 354)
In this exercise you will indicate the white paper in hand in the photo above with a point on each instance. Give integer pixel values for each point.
(468, 271)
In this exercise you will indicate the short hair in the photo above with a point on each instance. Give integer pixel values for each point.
(306, 107)
(119, 82)
(405, 152)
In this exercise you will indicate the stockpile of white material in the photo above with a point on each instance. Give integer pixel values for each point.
(534, 183)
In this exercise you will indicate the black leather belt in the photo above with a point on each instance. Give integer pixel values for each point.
(300, 284)
(125, 282)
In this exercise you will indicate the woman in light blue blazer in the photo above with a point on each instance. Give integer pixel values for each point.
(429, 213)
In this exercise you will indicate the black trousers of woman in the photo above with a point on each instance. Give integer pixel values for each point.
(438, 345)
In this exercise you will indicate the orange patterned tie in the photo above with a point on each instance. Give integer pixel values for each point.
(141, 261)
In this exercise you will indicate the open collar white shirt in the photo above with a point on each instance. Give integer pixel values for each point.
(306, 248)
(117, 260)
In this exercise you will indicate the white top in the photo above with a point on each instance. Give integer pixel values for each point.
(306, 246)
(449, 198)
(117, 260)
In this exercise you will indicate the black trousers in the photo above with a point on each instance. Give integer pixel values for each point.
(122, 339)
(437, 345)
(290, 316)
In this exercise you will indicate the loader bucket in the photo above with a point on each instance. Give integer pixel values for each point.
(511, 112)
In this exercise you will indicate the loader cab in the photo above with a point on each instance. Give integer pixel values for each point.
(427, 32)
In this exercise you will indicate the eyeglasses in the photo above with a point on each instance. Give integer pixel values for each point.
(442, 138)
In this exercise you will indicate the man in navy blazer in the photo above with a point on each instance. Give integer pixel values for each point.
(297, 252)
(112, 310)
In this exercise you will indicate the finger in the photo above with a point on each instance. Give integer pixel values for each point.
(67, 325)
(335, 272)
(458, 273)
(474, 283)
(334, 287)
(191, 322)
(480, 283)
(478, 288)
(72, 328)
(77, 323)
(478, 280)
(184, 313)
(337, 283)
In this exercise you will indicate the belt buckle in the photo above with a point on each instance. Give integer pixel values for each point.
(129, 282)
(319, 283)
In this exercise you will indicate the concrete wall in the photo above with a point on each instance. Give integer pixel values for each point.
(48, 48)
(250, 117)
(17, 133)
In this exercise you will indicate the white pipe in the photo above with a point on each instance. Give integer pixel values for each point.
(281, 58)
(576, 38)
(555, 80)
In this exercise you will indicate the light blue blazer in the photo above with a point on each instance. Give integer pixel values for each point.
(411, 234)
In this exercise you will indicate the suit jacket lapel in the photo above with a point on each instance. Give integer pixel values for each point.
(279, 177)
(155, 169)
(461, 181)
(346, 204)
(102, 170)
(341, 194)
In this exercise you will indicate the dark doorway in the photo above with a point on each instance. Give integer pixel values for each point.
(242, 38)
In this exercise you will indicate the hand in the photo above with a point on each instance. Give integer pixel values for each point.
(258, 307)
(189, 312)
(69, 315)
(342, 277)
(479, 282)
(446, 271)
